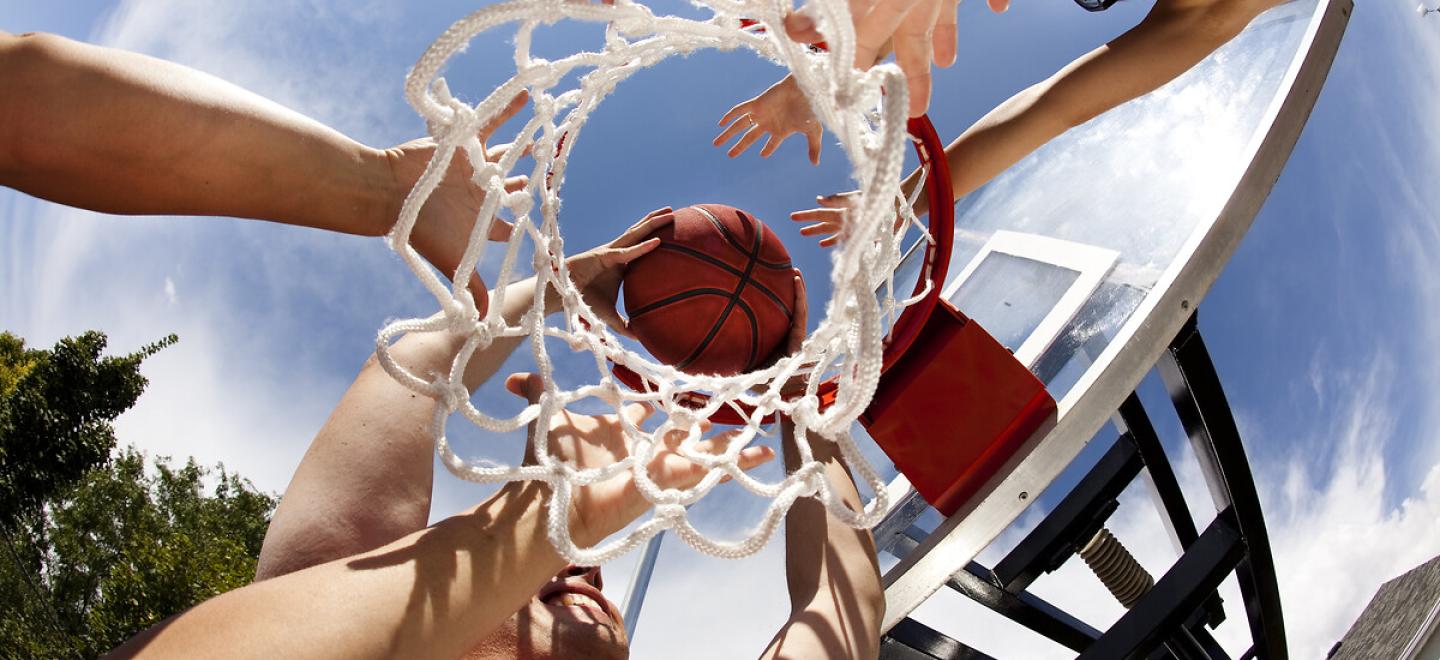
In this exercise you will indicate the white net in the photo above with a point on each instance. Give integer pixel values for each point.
(847, 345)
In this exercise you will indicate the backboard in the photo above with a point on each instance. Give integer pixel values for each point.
(1086, 257)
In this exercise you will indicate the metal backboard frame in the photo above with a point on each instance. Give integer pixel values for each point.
(1167, 295)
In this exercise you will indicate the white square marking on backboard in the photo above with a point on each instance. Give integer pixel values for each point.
(1090, 264)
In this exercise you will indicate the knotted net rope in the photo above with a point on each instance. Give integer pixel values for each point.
(848, 342)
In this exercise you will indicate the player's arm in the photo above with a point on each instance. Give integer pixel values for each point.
(367, 477)
(434, 593)
(1171, 39)
(836, 600)
(120, 132)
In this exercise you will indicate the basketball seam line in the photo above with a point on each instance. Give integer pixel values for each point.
(753, 254)
(677, 298)
(730, 269)
(735, 242)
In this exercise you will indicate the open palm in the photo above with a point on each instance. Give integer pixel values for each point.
(595, 441)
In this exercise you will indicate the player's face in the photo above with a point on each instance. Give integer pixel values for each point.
(568, 618)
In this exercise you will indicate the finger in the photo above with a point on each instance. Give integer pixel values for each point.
(745, 141)
(637, 413)
(914, 45)
(833, 216)
(771, 144)
(813, 138)
(501, 230)
(838, 200)
(741, 123)
(946, 33)
(713, 445)
(619, 325)
(641, 230)
(919, 82)
(624, 256)
(820, 229)
(740, 110)
(802, 29)
(480, 293)
(494, 154)
(830, 242)
(751, 457)
(876, 27)
(511, 109)
(526, 385)
(800, 316)
(859, 9)
(515, 183)
(999, 6)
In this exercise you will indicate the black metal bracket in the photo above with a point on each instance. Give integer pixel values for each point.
(1172, 619)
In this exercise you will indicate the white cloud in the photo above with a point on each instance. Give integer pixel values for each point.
(265, 309)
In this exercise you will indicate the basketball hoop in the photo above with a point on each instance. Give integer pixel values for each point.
(941, 226)
(850, 341)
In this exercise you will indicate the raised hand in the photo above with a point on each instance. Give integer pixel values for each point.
(778, 113)
(443, 228)
(593, 441)
(828, 220)
(597, 272)
(922, 32)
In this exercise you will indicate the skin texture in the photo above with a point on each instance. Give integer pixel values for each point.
(153, 137)
(921, 33)
(349, 567)
(1172, 38)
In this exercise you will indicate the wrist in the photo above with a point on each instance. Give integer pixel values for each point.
(380, 193)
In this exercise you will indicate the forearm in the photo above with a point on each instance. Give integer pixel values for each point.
(1168, 42)
(434, 593)
(832, 573)
(149, 136)
(367, 478)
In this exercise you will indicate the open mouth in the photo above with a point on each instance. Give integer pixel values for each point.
(595, 607)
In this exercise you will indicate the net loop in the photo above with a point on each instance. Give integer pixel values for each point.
(847, 346)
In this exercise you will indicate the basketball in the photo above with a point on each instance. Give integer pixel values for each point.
(715, 297)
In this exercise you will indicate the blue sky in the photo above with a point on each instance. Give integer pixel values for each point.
(1319, 326)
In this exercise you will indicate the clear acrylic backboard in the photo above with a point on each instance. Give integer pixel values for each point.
(1086, 257)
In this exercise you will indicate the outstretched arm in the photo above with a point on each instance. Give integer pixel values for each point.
(836, 601)
(434, 593)
(1172, 38)
(119, 132)
(367, 478)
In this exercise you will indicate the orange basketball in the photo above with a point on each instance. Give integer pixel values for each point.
(716, 296)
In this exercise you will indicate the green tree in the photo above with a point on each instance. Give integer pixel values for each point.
(122, 549)
(98, 548)
(56, 412)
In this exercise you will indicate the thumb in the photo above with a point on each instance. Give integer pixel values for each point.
(526, 385)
